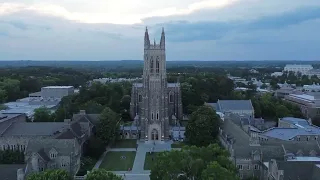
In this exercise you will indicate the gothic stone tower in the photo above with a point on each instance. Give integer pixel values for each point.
(154, 112)
(154, 105)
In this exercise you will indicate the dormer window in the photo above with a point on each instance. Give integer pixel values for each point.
(53, 154)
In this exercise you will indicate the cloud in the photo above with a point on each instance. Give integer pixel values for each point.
(189, 31)
(203, 30)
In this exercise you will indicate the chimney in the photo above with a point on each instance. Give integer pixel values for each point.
(82, 112)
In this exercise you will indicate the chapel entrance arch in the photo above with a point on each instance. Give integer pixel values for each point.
(154, 135)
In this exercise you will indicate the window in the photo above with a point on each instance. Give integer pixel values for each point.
(152, 116)
(316, 137)
(157, 115)
(256, 167)
(41, 169)
(53, 155)
(298, 139)
(239, 166)
(151, 65)
(308, 138)
(171, 98)
(157, 65)
(140, 98)
(248, 168)
(63, 164)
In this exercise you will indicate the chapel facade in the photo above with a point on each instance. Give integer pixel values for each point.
(155, 104)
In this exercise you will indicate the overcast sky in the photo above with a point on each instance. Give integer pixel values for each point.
(195, 29)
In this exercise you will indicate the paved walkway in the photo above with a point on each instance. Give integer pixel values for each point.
(138, 172)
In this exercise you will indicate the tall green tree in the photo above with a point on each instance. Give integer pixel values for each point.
(58, 174)
(215, 171)
(42, 114)
(192, 163)
(203, 127)
(102, 174)
(108, 127)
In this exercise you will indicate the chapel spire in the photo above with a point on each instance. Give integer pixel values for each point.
(163, 40)
(146, 39)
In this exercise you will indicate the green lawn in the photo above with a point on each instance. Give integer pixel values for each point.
(113, 160)
(148, 161)
(125, 143)
(177, 145)
(87, 164)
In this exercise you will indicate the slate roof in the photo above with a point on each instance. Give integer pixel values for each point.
(43, 155)
(235, 105)
(294, 170)
(34, 128)
(304, 147)
(68, 134)
(76, 128)
(9, 171)
(92, 118)
(268, 152)
(62, 146)
(7, 117)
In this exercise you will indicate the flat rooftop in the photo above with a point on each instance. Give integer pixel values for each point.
(305, 158)
(304, 97)
(302, 127)
(57, 87)
(21, 107)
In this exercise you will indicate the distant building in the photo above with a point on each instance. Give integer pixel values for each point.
(298, 68)
(311, 88)
(56, 91)
(313, 72)
(111, 80)
(253, 71)
(309, 103)
(276, 74)
(285, 89)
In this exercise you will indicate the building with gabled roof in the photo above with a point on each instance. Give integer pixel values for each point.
(55, 145)
(241, 107)
(251, 149)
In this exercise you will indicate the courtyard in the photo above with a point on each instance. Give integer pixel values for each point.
(118, 160)
(149, 160)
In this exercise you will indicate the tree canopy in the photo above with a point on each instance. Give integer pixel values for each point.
(108, 127)
(102, 174)
(193, 163)
(42, 114)
(57, 174)
(203, 127)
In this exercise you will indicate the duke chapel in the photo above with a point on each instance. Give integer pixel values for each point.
(155, 103)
